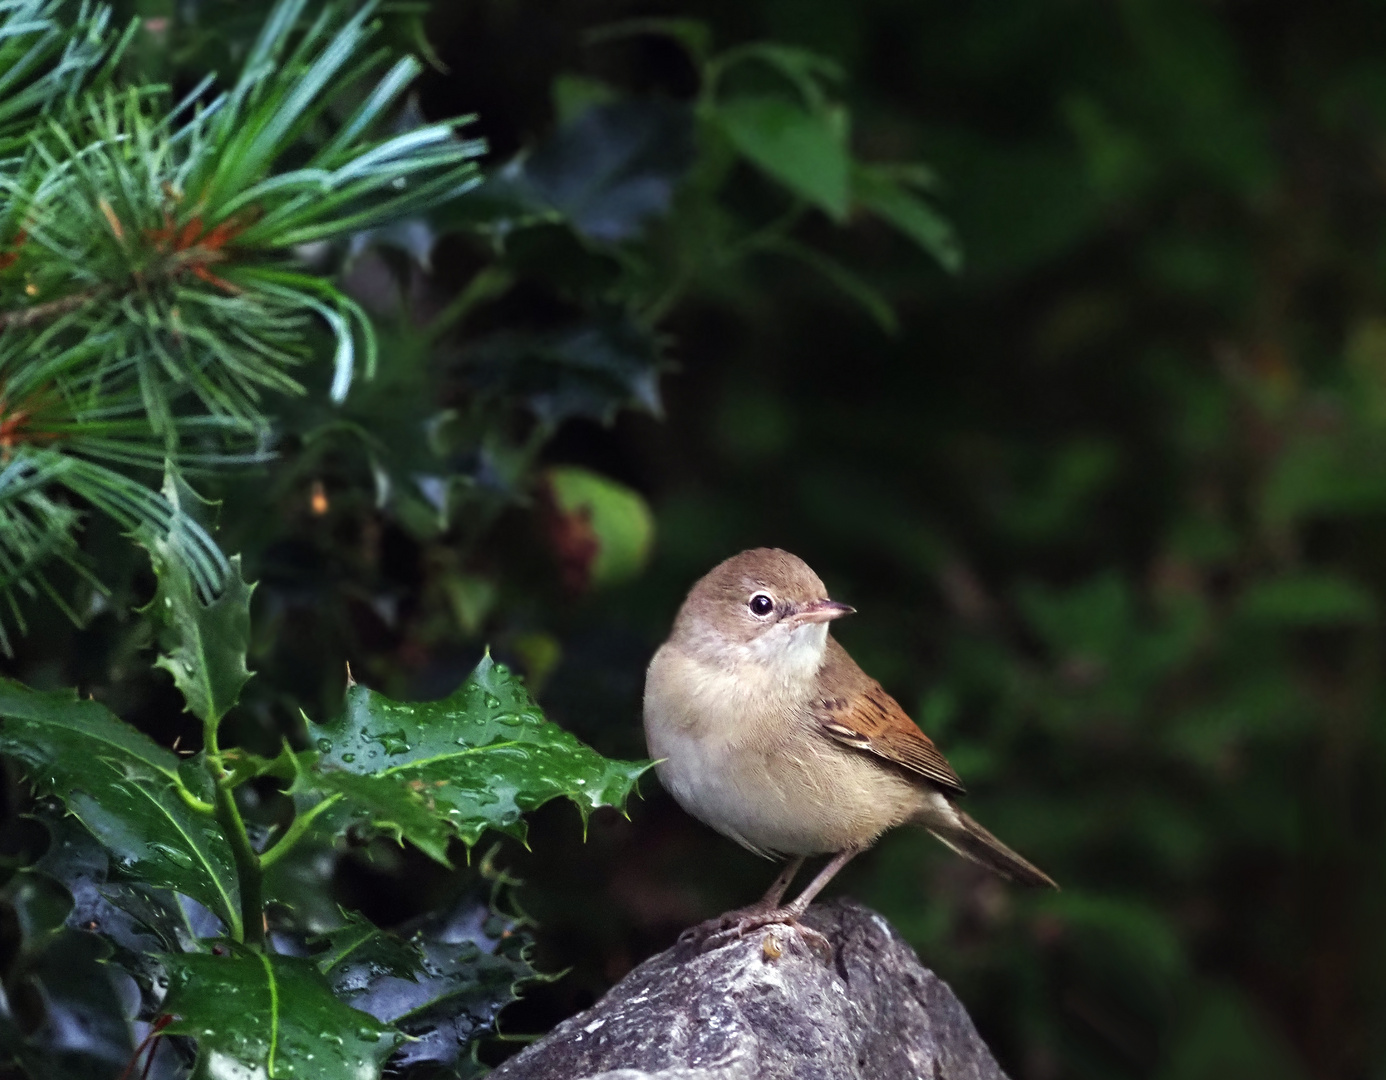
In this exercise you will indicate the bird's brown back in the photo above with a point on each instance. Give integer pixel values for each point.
(855, 710)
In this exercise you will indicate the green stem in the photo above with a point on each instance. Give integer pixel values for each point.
(193, 801)
(294, 832)
(249, 872)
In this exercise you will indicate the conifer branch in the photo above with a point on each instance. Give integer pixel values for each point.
(150, 296)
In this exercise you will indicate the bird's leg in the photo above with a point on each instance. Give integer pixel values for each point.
(739, 923)
(775, 893)
(768, 902)
(816, 886)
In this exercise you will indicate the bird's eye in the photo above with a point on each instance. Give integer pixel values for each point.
(761, 605)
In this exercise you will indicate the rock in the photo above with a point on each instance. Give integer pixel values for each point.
(870, 1012)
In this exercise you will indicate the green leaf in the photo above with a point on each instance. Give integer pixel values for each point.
(573, 95)
(202, 645)
(609, 171)
(63, 1015)
(443, 984)
(384, 804)
(358, 949)
(591, 369)
(1309, 599)
(807, 152)
(854, 286)
(803, 68)
(878, 188)
(124, 788)
(456, 767)
(617, 517)
(135, 920)
(254, 1014)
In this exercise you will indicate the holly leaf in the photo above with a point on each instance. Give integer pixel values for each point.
(589, 370)
(202, 645)
(66, 1014)
(124, 788)
(383, 804)
(443, 984)
(134, 919)
(258, 1014)
(430, 771)
(352, 955)
(607, 171)
(80, 1021)
(614, 166)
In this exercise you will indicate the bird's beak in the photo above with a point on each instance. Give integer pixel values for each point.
(821, 611)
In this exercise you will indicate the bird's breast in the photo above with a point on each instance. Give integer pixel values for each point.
(740, 755)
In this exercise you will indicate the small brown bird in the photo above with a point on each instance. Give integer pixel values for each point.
(769, 732)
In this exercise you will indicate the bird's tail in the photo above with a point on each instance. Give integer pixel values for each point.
(971, 841)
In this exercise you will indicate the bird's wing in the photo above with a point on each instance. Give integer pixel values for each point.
(855, 710)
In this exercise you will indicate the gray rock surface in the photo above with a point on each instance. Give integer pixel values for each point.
(870, 1012)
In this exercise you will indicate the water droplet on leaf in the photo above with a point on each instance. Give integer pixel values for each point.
(174, 855)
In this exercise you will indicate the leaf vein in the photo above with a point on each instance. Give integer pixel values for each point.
(274, 1013)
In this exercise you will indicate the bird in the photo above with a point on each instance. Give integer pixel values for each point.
(763, 727)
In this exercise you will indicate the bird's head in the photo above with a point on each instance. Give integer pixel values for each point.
(765, 607)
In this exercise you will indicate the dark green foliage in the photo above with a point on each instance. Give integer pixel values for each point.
(154, 309)
(65, 1015)
(442, 984)
(124, 788)
(590, 371)
(254, 1011)
(607, 172)
(422, 773)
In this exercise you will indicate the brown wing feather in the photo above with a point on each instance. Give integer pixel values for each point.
(855, 710)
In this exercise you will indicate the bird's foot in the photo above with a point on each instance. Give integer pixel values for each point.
(720, 923)
(735, 925)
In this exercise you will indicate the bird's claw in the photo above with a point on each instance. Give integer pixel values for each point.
(735, 925)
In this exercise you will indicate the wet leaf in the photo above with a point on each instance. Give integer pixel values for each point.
(254, 1014)
(443, 982)
(81, 1026)
(66, 1013)
(202, 645)
(358, 951)
(124, 788)
(134, 919)
(431, 771)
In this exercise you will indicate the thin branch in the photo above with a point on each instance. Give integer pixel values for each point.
(53, 309)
